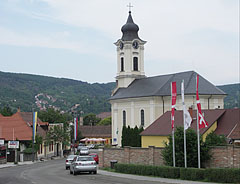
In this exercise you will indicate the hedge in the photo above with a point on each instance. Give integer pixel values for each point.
(210, 175)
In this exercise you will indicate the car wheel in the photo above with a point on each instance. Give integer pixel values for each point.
(95, 172)
(66, 168)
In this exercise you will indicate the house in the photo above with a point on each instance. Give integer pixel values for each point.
(221, 121)
(19, 127)
(139, 100)
(97, 132)
(103, 115)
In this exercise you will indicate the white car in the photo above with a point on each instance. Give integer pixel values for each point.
(69, 161)
(84, 151)
(83, 164)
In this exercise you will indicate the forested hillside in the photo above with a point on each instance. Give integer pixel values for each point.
(39, 92)
(34, 91)
(233, 98)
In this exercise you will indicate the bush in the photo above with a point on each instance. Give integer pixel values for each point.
(192, 174)
(223, 175)
(148, 170)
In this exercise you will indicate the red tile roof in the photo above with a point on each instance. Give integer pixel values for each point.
(104, 115)
(18, 126)
(226, 118)
(96, 131)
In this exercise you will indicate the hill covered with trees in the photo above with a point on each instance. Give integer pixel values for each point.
(39, 92)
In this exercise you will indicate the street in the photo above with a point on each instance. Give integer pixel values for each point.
(53, 172)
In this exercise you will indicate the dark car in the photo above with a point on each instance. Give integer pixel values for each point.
(95, 157)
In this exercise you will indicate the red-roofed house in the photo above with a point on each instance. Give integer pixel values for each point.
(19, 127)
(221, 121)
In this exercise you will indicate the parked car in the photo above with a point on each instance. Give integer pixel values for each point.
(69, 161)
(95, 157)
(83, 164)
(80, 147)
(84, 151)
(90, 146)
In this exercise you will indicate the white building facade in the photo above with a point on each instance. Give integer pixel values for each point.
(139, 100)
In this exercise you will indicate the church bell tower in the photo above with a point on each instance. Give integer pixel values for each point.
(130, 55)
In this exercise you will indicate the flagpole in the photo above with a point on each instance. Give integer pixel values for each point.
(184, 131)
(173, 139)
(198, 134)
(198, 137)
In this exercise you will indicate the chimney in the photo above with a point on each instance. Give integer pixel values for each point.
(190, 110)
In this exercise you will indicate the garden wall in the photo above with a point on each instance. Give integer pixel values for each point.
(225, 156)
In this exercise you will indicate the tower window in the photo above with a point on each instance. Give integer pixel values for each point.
(142, 117)
(135, 63)
(122, 64)
(124, 118)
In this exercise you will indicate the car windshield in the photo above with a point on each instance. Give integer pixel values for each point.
(84, 149)
(85, 159)
(71, 156)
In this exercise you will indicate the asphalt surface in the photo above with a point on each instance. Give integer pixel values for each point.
(54, 172)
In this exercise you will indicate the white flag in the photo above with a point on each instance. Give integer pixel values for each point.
(187, 118)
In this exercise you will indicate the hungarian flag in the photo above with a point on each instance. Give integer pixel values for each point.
(174, 98)
(75, 128)
(201, 121)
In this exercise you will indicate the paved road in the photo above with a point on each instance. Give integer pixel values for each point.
(53, 172)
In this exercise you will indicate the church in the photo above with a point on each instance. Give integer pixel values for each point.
(139, 100)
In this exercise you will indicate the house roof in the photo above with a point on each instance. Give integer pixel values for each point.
(227, 119)
(104, 115)
(96, 131)
(160, 86)
(18, 126)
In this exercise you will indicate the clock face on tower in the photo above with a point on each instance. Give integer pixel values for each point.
(135, 44)
(121, 45)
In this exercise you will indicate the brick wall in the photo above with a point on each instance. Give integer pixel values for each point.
(226, 156)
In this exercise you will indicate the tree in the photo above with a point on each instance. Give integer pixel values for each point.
(105, 121)
(131, 136)
(58, 134)
(90, 119)
(213, 139)
(191, 146)
(52, 116)
(6, 111)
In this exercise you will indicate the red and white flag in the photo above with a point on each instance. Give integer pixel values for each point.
(174, 98)
(202, 122)
(75, 128)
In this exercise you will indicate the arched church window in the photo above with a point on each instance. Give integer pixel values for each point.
(124, 118)
(142, 117)
(122, 64)
(135, 63)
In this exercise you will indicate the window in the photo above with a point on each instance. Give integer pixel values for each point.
(135, 63)
(142, 117)
(124, 118)
(122, 64)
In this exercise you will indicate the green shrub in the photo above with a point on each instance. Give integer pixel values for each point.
(193, 174)
(223, 175)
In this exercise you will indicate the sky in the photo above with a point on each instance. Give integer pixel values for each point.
(75, 38)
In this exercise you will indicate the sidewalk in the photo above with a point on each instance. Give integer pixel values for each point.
(11, 164)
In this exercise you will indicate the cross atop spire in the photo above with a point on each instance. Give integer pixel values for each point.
(129, 6)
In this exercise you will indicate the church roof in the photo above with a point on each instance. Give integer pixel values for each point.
(130, 29)
(160, 86)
